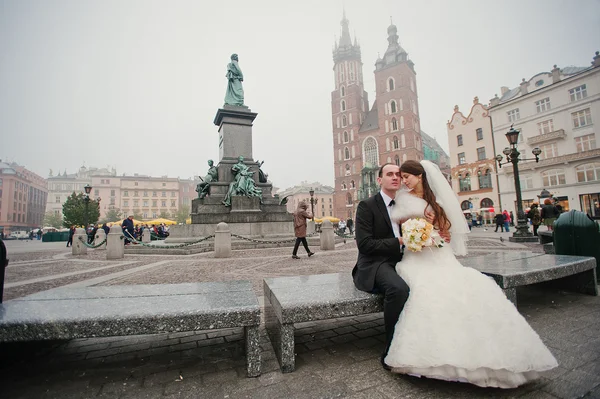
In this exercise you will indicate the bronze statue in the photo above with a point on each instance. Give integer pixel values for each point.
(203, 187)
(235, 77)
(262, 176)
(242, 184)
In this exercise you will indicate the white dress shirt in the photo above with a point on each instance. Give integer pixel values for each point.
(386, 201)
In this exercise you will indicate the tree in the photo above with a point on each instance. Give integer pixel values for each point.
(74, 210)
(182, 214)
(164, 215)
(137, 214)
(113, 215)
(53, 219)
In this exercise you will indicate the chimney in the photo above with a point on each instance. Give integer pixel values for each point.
(495, 101)
(503, 90)
(524, 85)
(555, 74)
(596, 61)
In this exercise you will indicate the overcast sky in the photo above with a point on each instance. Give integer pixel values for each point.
(135, 84)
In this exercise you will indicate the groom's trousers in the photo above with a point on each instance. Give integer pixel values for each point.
(395, 294)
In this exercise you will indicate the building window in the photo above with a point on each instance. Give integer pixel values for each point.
(154, 193)
(164, 194)
(394, 124)
(135, 184)
(481, 153)
(112, 193)
(581, 118)
(125, 193)
(390, 84)
(136, 203)
(154, 203)
(486, 203)
(96, 192)
(343, 105)
(349, 199)
(459, 140)
(545, 127)
(173, 193)
(465, 182)
(588, 172)
(135, 194)
(553, 177)
(549, 150)
(543, 105)
(393, 107)
(145, 193)
(397, 160)
(585, 143)
(172, 203)
(342, 91)
(465, 205)
(578, 93)
(485, 178)
(348, 170)
(371, 151)
(344, 121)
(145, 203)
(396, 143)
(57, 199)
(346, 153)
(163, 203)
(344, 187)
(352, 184)
(125, 203)
(479, 132)
(461, 158)
(346, 138)
(513, 115)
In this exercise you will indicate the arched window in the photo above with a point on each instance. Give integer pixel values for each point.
(344, 121)
(342, 91)
(394, 124)
(393, 109)
(352, 185)
(349, 199)
(486, 203)
(396, 143)
(485, 178)
(391, 84)
(347, 170)
(344, 187)
(397, 160)
(343, 105)
(553, 177)
(465, 205)
(588, 172)
(346, 153)
(346, 139)
(465, 182)
(371, 151)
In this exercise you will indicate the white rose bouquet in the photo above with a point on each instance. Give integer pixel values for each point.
(418, 233)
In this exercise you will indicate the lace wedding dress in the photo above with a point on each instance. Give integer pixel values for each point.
(457, 324)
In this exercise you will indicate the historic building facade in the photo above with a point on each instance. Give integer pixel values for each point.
(322, 198)
(23, 196)
(366, 137)
(555, 111)
(472, 159)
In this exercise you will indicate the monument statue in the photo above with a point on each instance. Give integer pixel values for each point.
(235, 91)
(212, 176)
(262, 176)
(242, 184)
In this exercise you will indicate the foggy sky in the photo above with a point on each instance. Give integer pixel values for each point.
(135, 85)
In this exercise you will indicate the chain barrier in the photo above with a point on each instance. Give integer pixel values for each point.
(264, 241)
(156, 237)
(186, 244)
(92, 246)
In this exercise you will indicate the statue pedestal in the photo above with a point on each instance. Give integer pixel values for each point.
(235, 133)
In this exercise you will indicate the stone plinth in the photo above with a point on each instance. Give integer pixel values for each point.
(235, 132)
(78, 247)
(327, 236)
(115, 243)
(222, 241)
(100, 236)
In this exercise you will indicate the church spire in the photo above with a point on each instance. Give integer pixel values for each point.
(345, 40)
(344, 48)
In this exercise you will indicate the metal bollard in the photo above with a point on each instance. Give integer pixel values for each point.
(78, 247)
(327, 236)
(222, 241)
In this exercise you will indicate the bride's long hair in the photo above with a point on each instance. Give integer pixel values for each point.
(416, 169)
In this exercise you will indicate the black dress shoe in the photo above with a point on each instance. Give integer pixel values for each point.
(295, 257)
(310, 254)
(384, 364)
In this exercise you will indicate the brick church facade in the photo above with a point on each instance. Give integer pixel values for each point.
(367, 136)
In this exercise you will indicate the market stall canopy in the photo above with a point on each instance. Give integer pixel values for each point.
(330, 218)
(160, 221)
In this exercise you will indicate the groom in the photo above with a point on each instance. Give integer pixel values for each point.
(380, 247)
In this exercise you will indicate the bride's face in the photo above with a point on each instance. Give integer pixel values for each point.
(411, 181)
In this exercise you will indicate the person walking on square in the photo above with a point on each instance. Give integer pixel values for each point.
(300, 217)
(71, 233)
(499, 218)
(350, 225)
(535, 217)
(506, 220)
(127, 226)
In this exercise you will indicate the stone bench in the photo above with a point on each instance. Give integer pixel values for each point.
(545, 236)
(298, 299)
(515, 269)
(101, 311)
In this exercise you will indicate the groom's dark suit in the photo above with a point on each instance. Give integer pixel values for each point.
(378, 252)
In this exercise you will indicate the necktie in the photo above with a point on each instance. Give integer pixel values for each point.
(392, 202)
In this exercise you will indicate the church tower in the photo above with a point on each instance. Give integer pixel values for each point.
(397, 104)
(349, 105)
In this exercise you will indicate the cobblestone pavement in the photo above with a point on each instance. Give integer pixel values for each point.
(335, 359)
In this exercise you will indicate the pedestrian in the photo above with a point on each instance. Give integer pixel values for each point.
(499, 219)
(506, 220)
(549, 213)
(39, 234)
(300, 217)
(535, 217)
(106, 228)
(128, 229)
(342, 226)
(71, 233)
(350, 225)
(512, 219)
(92, 233)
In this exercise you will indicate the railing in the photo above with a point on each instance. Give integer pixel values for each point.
(557, 134)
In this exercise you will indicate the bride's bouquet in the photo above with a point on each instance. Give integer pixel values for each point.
(418, 233)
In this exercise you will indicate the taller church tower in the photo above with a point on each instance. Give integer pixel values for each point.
(349, 105)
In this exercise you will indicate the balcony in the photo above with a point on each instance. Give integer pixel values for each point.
(555, 135)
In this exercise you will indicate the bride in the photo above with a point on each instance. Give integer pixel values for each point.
(457, 324)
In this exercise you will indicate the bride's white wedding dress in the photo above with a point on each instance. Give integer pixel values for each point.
(457, 324)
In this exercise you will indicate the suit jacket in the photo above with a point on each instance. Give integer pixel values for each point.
(376, 242)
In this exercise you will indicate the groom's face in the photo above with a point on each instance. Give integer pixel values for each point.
(390, 178)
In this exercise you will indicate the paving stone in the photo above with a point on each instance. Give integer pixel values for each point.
(565, 389)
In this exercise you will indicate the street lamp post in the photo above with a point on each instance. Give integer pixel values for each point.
(512, 156)
(313, 202)
(86, 200)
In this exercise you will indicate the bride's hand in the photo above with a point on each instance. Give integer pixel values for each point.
(429, 216)
(445, 234)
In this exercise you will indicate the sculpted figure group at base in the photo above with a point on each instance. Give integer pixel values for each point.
(212, 176)
(242, 184)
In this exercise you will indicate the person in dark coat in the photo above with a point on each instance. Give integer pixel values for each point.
(499, 218)
(128, 229)
(300, 217)
(535, 217)
(106, 228)
(549, 213)
(71, 233)
(350, 225)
